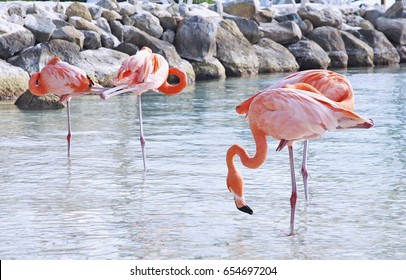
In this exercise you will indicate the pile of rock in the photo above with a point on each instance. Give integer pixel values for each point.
(236, 38)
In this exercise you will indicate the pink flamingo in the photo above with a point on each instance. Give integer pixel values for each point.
(293, 113)
(332, 85)
(142, 72)
(64, 80)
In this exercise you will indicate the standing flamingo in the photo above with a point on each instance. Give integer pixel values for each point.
(332, 85)
(64, 80)
(142, 72)
(293, 113)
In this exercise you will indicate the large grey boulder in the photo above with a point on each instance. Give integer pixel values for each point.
(35, 58)
(372, 15)
(28, 101)
(384, 52)
(108, 40)
(111, 15)
(82, 24)
(395, 11)
(92, 40)
(80, 10)
(196, 38)
(13, 81)
(117, 29)
(210, 69)
(69, 34)
(40, 26)
(393, 28)
(109, 5)
(148, 23)
(241, 8)
(304, 27)
(329, 38)
(325, 16)
(103, 24)
(234, 51)
(285, 32)
(248, 28)
(402, 53)
(274, 57)
(360, 54)
(17, 9)
(309, 55)
(13, 39)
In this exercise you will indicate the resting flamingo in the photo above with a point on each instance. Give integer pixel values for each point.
(332, 85)
(64, 80)
(142, 72)
(293, 113)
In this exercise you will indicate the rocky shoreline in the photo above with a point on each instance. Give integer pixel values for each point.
(236, 38)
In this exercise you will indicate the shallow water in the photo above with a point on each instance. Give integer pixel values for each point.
(98, 204)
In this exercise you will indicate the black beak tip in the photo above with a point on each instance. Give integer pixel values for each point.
(246, 209)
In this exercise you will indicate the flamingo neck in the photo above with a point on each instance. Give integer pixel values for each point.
(35, 85)
(169, 89)
(235, 181)
(251, 162)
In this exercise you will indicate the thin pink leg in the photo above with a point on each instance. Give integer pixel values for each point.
(293, 197)
(142, 138)
(305, 174)
(69, 136)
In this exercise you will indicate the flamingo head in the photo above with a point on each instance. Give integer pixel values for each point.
(35, 86)
(235, 184)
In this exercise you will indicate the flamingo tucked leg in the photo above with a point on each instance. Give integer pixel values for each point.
(114, 91)
(293, 197)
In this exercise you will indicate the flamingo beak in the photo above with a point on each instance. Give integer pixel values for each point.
(245, 209)
(241, 205)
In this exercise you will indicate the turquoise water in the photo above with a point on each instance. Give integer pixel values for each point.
(99, 204)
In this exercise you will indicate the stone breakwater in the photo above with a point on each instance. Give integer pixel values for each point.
(237, 38)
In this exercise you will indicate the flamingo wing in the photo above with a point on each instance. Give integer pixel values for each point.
(332, 85)
(293, 114)
(63, 78)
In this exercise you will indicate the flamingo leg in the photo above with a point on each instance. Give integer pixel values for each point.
(112, 91)
(136, 88)
(304, 172)
(142, 138)
(69, 136)
(293, 197)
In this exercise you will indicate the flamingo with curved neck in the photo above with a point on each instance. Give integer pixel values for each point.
(332, 85)
(293, 113)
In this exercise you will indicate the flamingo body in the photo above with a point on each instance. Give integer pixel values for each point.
(332, 85)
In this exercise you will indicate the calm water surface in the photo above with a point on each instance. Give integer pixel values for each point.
(98, 204)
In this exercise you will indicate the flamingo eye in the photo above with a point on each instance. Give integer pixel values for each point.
(91, 83)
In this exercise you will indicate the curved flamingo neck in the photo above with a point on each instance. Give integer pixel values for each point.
(174, 89)
(251, 162)
(235, 181)
(35, 86)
